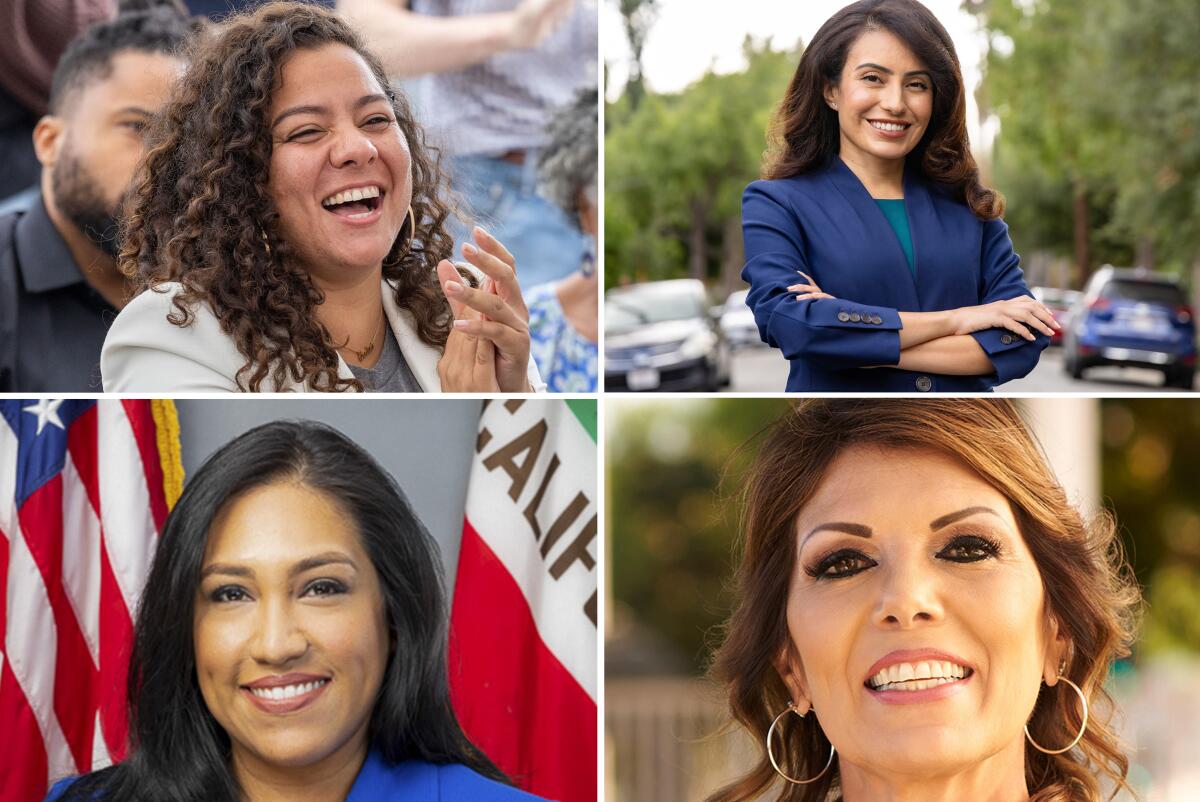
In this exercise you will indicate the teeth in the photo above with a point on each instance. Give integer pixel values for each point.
(888, 126)
(916, 676)
(351, 195)
(287, 691)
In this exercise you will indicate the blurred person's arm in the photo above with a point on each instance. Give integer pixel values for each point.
(33, 34)
(413, 44)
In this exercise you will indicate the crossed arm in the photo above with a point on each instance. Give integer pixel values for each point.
(940, 342)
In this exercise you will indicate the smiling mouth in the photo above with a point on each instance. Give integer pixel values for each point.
(889, 127)
(284, 692)
(917, 676)
(354, 204)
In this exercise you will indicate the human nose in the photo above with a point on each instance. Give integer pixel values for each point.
(352, 149)
(279, 637)
(910, 596)
(893, 98)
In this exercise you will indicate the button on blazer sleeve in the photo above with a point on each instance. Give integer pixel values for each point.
(1012, 356)
(832, 333)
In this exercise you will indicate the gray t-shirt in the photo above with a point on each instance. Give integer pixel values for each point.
(391, 373)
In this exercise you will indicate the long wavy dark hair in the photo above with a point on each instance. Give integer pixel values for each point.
(805, 134)
(178, 751)
(1089, 587)
(202, 215)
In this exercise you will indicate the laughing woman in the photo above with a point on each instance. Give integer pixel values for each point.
(876, 258)
(289, 234)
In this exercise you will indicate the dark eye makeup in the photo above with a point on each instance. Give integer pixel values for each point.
(846, 562)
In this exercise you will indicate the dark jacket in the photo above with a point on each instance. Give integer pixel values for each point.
(52, 323)
(826, 224)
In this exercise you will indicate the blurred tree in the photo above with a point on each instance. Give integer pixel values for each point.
(675, 168)
(1151, 458)
(672, 527)
(1099, 149)
(638, 17)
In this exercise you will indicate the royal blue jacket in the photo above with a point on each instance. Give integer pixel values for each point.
(411, 781)
(827, 225)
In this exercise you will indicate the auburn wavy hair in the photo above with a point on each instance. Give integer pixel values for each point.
(1089, 587)
(201, 213)
(805, 134)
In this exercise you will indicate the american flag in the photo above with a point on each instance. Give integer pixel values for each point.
(84, 490)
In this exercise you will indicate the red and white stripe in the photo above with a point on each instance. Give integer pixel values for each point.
(523, 651)
(73, 561)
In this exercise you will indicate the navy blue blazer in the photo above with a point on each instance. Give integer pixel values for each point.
(411, 781)
(826, 224)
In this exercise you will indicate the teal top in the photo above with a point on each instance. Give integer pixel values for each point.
(893, 210)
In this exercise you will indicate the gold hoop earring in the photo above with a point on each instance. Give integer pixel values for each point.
(791, 708)
(412, 232)
(1082, 729)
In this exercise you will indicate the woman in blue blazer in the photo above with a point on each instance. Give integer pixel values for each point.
(876, 259)
(291, 641)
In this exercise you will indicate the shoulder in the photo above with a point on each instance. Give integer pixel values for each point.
(144, 351)
(413, 780)
(460, 784)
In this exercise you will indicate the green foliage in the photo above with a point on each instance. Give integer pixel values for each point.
(671, 525)
(1151, 458)
(1100, 97)
(676, 165)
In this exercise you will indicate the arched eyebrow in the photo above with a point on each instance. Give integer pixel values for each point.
(953, 517)
(365, 100)
(881, 68)
(859, 530)
(307, 564)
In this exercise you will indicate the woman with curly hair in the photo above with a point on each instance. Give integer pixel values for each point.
(289, 233)
(871, 243)
(923, 614)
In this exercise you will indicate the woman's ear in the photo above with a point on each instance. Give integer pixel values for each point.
(791, 671)
(1057, 649)
(831, 96)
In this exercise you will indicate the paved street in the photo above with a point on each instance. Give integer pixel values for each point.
(763, 370)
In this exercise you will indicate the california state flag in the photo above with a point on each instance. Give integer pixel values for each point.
(523, 634)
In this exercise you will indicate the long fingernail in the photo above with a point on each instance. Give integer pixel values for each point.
(461, 324)
(469, 249)
(480, 230)
(453, 287)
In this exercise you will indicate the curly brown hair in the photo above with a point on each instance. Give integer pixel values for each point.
(202, 215)
(805, 134)
(1089, 588)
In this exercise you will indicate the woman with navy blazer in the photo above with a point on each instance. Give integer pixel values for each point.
(877, 261)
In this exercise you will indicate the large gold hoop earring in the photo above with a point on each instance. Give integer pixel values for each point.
(412, 232)
(1082, 729)
(791, 708)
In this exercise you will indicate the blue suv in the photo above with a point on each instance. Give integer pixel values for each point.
(1132, 316)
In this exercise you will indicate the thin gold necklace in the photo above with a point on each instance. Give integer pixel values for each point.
(364, 353)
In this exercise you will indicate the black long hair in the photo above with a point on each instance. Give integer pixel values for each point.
(178, 751)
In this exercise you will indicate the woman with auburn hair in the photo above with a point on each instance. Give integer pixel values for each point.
(922, 614)
(876, 258)
(290, 233)
(291, 641)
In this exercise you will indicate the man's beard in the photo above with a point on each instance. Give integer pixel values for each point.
(79, 199)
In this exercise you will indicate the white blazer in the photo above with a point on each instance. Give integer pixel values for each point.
(145, 353)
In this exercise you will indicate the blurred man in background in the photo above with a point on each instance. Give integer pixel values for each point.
(33, 34)
(497, 71)
(59, 284)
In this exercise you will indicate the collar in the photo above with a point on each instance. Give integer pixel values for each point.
(410, 781)
(421, 357)
(853, 189)
(45, 262)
